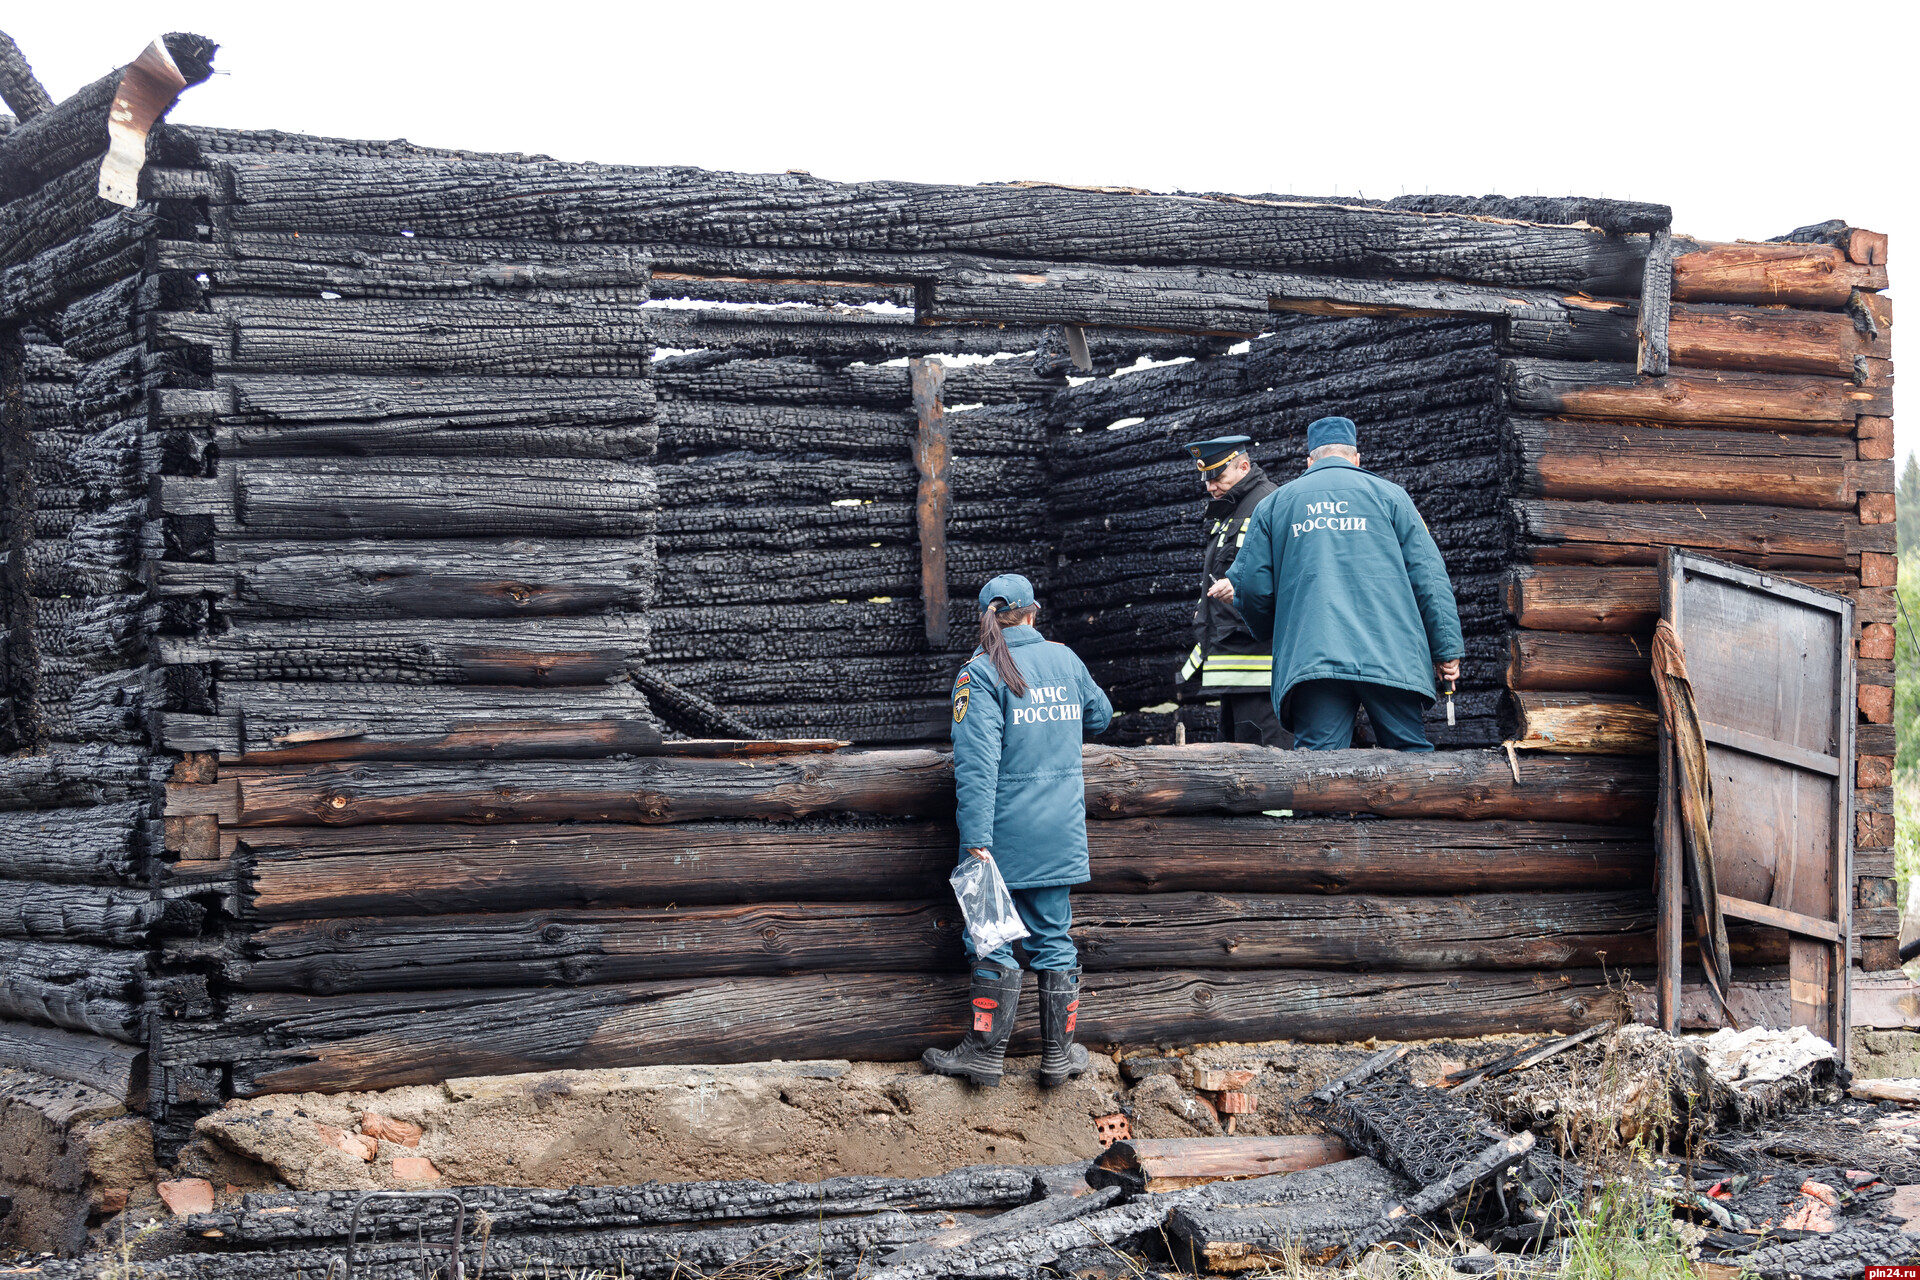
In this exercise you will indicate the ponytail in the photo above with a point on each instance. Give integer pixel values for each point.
(994, 644)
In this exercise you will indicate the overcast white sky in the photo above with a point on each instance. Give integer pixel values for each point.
(1750, 119)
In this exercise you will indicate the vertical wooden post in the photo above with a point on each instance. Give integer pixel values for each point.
(932, 459)
(1656, 304)
(1667, 873)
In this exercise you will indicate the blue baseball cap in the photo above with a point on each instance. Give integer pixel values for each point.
(1332, 431)
(1011, 587)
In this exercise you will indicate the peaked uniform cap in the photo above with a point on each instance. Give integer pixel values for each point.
(1011, 587)
(1332, 431)
(1210, 455)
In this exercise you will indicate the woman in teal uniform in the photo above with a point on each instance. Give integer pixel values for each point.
(1020, 706)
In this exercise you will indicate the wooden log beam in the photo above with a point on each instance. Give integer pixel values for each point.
(1804, 275)
(313, 872)
(1623, 599)
(1121, 783)
(1603, 723)
(1730, 398)
(104, 844)
(290, 1043)
(1113, 932)
(80, 988)
(115, 1069)
(676, 205)
(1772, 339)
(1155, 1165)
(1578, 661)
(111, 249)
(932, 461)
(68, 776)
(20, 89)
(399, 578)
(48, 912)
(404, 404)
(1556, 531)
(1617, 462)
(271, 714)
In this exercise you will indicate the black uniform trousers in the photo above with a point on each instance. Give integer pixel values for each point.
(1249, 717)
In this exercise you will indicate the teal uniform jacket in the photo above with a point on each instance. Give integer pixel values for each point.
(1340, 570)
(1016, 761)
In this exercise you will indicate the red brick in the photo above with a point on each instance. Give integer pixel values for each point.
(360, 1148)
(188, 1195)
(1872, 830)
(415, 1169)
(387, 1129)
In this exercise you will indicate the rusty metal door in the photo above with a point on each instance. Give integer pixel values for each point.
(1772, 672)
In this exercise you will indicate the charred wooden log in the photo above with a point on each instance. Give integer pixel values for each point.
(688, 712)
(80, 988)
(311, 872)
(115, 1069)
(104, 844)
(285, 1043)
(37, 911)
(1121, 783)
(20, 89)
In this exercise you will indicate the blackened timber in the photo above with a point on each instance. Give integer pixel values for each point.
(466, 578)
(307, 872)
(289, 1043)
(762, 479)
(576, 202)
(545, 651)
(372, 497)
(104, 844)
(115, 1069)
(493, 336)
(275, 713)
(78, 987)
(111, 249)
(1121, 783)
(393, 266)
(279, 1219)
(932, 460)
(1579, 661)
(625, 442)
(406, 404)
(1728, 397)
(1553, 531)
(1616, 461)
(797, 380)
(20, 89)
(1656, 305)
(37, 911)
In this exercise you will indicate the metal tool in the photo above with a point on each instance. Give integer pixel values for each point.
(452, 1248)
(1449, 704)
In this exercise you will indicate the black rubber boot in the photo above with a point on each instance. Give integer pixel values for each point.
(982, 1055)
(1060, 1058)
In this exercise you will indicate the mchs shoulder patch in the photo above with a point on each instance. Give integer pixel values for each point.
(960, 695)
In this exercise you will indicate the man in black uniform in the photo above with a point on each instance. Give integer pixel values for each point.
(1227, 661)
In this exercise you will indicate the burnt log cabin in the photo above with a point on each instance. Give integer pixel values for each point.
(471, 613)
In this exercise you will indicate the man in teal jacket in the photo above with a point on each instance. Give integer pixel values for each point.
(1340, 569)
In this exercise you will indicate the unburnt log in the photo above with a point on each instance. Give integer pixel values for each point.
(72, 776)
(545, 651)
(1603, 723)
(37, 911)
(494, 336)
(1729, 398)
(1579, 661)
(103, 844)
(1121, 783)
(1616, 462)
(1556, 531)
(465, 578)
(1774, 339)
(290, 1043)
(115, 1069)
(80, 988)
(280, 1219)
(1620, 599)
(1804, 275)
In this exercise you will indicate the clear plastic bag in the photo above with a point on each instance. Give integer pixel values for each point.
(992, 921)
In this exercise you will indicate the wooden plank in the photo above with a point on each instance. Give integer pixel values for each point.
(1755, 744)
(1656, 305)
(316, 872)
(1580, 722)
(290, 1043)
(932, 459)
(1154, 1165)
(1792, 921)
